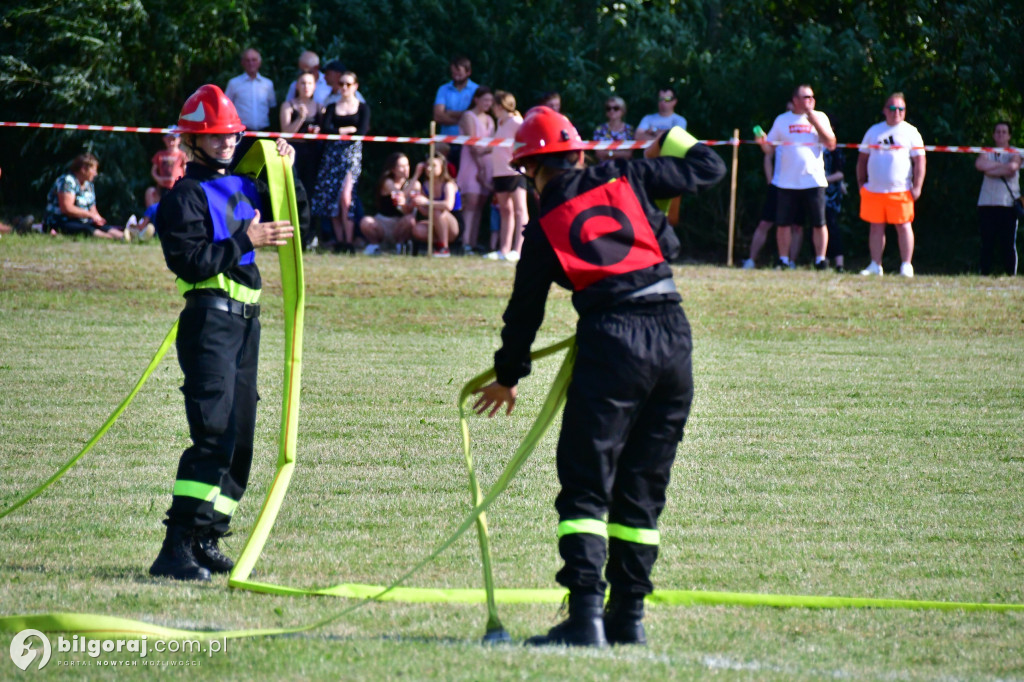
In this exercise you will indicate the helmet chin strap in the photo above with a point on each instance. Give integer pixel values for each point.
(223, 164)
(200, 154)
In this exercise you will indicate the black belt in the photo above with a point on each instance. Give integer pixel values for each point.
(228, 305)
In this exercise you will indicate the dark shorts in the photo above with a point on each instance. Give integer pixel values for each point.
(771, 207)
(509, 183)
(797, 206)
(771, 202)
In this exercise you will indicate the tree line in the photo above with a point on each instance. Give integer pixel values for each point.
(733, 65)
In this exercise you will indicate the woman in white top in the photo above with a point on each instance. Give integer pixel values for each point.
(509, 184)
(1000, 188)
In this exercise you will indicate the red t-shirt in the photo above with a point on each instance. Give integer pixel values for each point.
(170, 164)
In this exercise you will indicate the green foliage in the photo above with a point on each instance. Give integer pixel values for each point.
(733, 65)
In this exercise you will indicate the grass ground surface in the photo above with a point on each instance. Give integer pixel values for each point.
(850, 437)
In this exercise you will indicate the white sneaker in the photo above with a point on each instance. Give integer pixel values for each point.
(147, 232)
(494, 255)
(873, 269)
(749, 264)
(131, 230)
(512, 256)
(907, 270)
(372, 250)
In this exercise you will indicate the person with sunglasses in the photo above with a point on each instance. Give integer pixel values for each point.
(653, 125)
(210, 228)
(342, 160)
(615, 129)
(800, 137)
(890, 174)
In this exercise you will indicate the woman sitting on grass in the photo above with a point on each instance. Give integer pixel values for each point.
(395, 213)
(441, 195)
(71, 203)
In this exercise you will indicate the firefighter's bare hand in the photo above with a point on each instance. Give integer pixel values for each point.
(493, 396)
(286, 150)
(274, 233)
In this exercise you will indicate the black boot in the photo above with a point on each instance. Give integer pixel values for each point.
(176, 559)
(583, 627)
(623, 620)
(208, 554)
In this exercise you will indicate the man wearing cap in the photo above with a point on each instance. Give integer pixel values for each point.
(600, 235)
(210, 227)
(332, 76)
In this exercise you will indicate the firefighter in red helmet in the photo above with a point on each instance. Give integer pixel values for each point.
(599, 234)
(210, 228)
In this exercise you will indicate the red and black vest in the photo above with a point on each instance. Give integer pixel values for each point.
(608, 234)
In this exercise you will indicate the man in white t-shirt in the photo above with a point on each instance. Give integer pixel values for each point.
(800, 135)
(890, 172)
(653, 125)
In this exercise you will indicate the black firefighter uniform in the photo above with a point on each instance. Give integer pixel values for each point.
(600, 235)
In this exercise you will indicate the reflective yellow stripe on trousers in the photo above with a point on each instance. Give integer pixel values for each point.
(200, 491)
(592, 526)
(640, 536)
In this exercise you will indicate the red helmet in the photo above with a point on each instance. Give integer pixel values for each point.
(545, 131)
(209, 111)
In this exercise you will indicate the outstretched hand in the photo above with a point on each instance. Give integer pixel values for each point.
(493, 396)
(275, 233)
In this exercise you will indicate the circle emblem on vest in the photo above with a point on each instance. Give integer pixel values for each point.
(602, 235)
(232, 219)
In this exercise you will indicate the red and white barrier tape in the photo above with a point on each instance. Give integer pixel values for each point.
(928, 147)
(491, 141)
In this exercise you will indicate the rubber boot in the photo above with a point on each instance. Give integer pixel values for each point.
(208, 554)
(176, 559)
(623, 620)
(583, 627)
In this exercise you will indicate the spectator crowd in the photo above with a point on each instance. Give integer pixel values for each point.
(479, 203)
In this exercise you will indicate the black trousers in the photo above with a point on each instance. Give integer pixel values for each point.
(218, 353)
(626, 407)
(835, 234)
(998, 225)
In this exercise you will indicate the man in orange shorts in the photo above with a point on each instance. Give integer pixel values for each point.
(890, 173)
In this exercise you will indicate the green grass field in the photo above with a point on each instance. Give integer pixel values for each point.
(850, 437)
